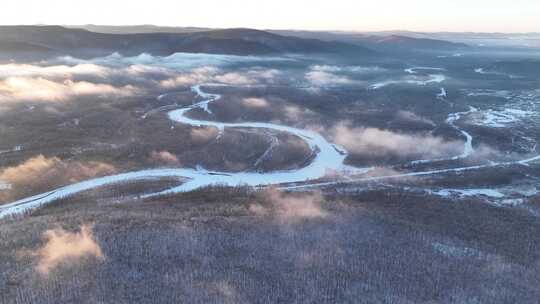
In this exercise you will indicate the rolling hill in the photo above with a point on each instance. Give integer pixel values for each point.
(230, 41)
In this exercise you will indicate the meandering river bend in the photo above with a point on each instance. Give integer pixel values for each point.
(329, 159)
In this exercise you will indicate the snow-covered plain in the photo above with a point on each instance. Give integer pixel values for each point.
(520, 106)
(500, 119)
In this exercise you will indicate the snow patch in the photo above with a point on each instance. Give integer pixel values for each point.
(520, 106)
(415, 69)
(14, 149)
(429, 79)
(500, 119)
(513, 202)
(468, 193)
(454, 251)
(4, 186)
(442, 94)
(484, 72)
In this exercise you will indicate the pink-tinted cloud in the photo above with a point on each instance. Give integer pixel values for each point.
(373, 141)
(15, 89)
(290, 208)
(255, 103)
(62, 247)
(164, 157)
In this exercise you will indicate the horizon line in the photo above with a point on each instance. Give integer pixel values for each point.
(270, 29)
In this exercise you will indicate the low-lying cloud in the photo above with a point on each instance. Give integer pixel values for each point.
(65, 248)
(53, 71)
(198, 75)
(164, 158)
(67, 77)
(177, 61)
(382, 143)
(408, 116)
(331, 75)
(41, 173)
(204, 135)
(293, 112)
(83, 70)
(41, 167)
(209, 74)
(255, 103)
(15, 89)
(235, 78)
(290, 208)
(322, 78)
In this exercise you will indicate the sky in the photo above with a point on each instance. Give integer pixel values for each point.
(354, 15)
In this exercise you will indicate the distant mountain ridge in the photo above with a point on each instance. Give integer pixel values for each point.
(228, 41)
(138, 29)
(404, 40)
(381, 41)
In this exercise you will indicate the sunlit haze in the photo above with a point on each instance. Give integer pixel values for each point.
(418, 15)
